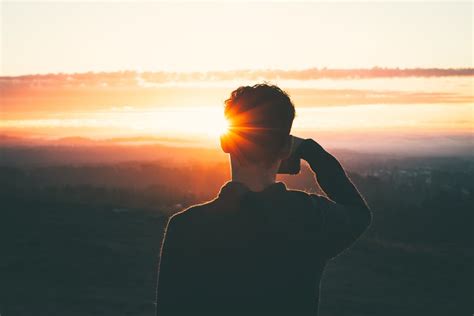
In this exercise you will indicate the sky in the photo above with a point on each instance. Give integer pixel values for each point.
(386, 114)
(51, 37)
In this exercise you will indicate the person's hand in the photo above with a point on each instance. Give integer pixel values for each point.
(295, 143)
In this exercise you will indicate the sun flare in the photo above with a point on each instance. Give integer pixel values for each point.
(222, 126)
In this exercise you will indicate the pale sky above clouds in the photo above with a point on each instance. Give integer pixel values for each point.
(44, 37)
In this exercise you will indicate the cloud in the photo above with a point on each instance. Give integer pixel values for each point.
(33, 96)
(149, 79)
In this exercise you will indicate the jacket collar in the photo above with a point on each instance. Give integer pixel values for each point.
(234, 189)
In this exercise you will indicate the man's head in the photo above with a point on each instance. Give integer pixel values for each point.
(260, 119)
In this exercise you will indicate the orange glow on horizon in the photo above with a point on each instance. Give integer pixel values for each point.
(378, 109)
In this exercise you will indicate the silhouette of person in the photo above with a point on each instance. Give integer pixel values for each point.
(259, 248)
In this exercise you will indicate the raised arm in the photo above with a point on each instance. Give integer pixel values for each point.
(330, 175)
(346, 215)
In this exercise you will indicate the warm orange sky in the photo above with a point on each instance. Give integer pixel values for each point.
(338, 112)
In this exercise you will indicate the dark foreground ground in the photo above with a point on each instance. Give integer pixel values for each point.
(85, 240)
(72, 260)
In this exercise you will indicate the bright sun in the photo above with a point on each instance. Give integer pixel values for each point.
(222, 126)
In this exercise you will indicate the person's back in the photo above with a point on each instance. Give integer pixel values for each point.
(257, 252)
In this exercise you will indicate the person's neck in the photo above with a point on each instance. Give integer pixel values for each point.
(255, 177)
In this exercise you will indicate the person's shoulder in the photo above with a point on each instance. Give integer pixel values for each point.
(192, 213)
(310, 201)
(299, 194)
(303, 196)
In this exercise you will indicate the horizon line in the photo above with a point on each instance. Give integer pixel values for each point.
(307, 73)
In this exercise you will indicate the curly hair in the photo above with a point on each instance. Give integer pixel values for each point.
(260, 119)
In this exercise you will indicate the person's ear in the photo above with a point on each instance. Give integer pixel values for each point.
(225, 143)
(286, 150)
